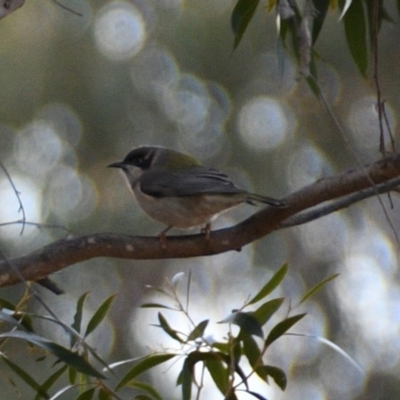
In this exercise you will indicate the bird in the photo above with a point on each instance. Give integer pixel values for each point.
(174, 189)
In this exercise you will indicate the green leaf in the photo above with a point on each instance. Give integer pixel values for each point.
(250, 348)
(167, 329)
(267, 310)
(87, 395)
(241, 16)
(26, 377)
(256, 395)
(275, 373)
(214, 362)
(320, 9)
(79, 312)
(72, 374)
(317, 288)
(65, 355)
(272, 284)
(186, 376)
(46, 385)
(156, 305)
(105, 394)
(145, 364)
(248, 323)
(198, 331)
(356, 27)
(279, 329)
(9, 317)
(219, 373)
(146, 387)
(6, 304)
(99, 315)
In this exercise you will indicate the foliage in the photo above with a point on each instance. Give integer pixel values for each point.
(301, 27)
(225, 361)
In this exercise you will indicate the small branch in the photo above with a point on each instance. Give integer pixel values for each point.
(17, 194)
(63, 253)
(346, 202)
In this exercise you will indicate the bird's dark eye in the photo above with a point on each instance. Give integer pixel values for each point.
(139, 161)
(140, 157)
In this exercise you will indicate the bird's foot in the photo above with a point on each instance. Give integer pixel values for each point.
(163, 237)
(207, 231)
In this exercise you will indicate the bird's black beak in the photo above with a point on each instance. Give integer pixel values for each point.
(118, 164)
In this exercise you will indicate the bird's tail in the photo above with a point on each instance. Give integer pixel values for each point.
(257, 198)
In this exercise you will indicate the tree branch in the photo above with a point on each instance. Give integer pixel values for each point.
(65, 252)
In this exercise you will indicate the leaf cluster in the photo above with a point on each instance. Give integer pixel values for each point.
(299, 28)
(223, 360)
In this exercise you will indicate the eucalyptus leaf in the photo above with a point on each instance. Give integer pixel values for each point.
(277, 374)
(99, 315)
(144, 365)
(241, 16)
(271, 285)
(279, 329)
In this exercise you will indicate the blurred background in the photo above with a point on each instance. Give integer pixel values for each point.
(78, 92)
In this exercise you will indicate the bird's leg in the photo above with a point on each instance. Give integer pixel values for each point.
(207, 230)
(163, 236)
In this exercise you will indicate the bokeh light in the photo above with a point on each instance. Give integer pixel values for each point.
(262, 123)
(119, 30)
(364, 123)
(10, 209)
(306, 165)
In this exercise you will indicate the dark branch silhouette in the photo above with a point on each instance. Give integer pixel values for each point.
(65, 252)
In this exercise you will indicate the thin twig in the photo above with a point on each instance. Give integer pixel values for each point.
(67, 8)
(17, 194)
(37, 224)
(356, 157)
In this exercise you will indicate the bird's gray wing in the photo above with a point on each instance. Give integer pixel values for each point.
(186, 182)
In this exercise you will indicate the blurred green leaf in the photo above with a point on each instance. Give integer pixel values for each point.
(26, 377)
(241, 16)
(356, 28)
(250, 348)
(272, 284)
(156, 305)
(267, 310)
(167, 329)
(279, 329)
(186, 378)
(186, 375)
(72, 374)
(49, 382)
(198, 331)
(275, 373)
(6, 304)
(317, 288)
(256, 395)
(219, 373)
(87, 395)
(99, 315)
(9, 317)
(77, 324)
(146, 387)
(105, 394)
(320, 9)
(62, 353)
(145, 364)
(143, 397)
(247, 322)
